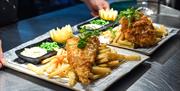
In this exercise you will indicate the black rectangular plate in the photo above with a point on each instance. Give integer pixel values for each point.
(77, 27)
(38, 59)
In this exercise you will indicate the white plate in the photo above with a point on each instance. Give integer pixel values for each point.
(98, 85)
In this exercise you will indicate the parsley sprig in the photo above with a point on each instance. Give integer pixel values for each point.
(130, 14)
(85, 35)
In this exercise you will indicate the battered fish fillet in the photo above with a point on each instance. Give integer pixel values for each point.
(141, 33)
(82, 59)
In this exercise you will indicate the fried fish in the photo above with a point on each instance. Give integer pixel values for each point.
(82, 59)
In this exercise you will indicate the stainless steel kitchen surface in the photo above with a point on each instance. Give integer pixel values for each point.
(159, 73)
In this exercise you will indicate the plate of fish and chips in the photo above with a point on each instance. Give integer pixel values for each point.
(93, 66)
(112, 38)
(111, 64)
(137, 32)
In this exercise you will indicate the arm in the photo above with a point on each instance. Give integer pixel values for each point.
(96, 5)
(1, 56)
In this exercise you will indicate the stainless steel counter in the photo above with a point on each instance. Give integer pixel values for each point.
(160, 73)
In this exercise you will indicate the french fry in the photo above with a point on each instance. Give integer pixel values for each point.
(101, 70)
(46, 66)
(117, 37)
(56, 71)
(121, 37)
(96, 77)
(115, 56)
(101, 56)
(115, 44)
(65, 68)
(54, 60)
(102, 47)
(125, 46)
(125, 43)
(161, 31)
(51, 68)
(113, 51)
(35, 69)
(103, 65)
(163, 28)
(104, 60)
(132, 58)
(121, 62)
(105, 50)
(60, 70)
(47, 60)
(113, 63)
(158, 40)
(72, 78)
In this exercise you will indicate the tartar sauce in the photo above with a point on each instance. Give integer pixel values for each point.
(33, 52)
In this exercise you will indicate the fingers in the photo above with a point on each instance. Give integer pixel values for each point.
(94, 13)
(96, 5)
(101, 4)
(1, 52)
(105, 5)
(0, 47)
(1, 65)
(1, 56)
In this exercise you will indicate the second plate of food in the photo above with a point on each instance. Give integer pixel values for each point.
(137, 32)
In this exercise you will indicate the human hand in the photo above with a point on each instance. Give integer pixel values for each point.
(96, 5)
(1, 56)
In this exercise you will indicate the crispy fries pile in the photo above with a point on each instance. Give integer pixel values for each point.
(57, 66)
(108, 59)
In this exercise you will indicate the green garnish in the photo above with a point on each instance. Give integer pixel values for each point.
(84, 36)
(49, 46)
(82, 43)
(130, 14)
(99, 22)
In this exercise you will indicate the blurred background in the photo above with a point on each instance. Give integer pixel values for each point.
(15, 10)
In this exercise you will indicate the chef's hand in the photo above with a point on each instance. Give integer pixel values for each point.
(1, 56)
(96, 5)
